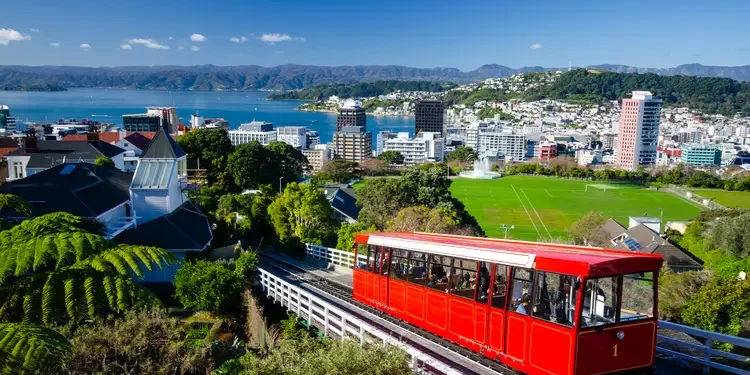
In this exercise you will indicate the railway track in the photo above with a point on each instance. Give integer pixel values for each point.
(344, 294)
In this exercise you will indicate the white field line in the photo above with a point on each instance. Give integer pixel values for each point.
(537, 213)
(550, 195)
(527, 211)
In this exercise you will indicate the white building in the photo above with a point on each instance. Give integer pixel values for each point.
(491, 142)
(295, 136)
(380, 140)
(166, 113)
(254, 131)
(427, 146)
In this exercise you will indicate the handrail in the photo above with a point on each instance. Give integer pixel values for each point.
(346, 259)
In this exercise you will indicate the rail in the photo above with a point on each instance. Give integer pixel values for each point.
(694, 197)
(335, 321)
(695, 347)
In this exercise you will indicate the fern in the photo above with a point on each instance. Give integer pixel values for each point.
(28, 349)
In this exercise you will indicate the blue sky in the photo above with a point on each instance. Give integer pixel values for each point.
(460, 34)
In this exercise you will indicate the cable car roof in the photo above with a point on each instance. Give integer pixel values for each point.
(568, 259)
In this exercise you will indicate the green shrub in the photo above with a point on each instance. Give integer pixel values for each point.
(207, 286)
(246, 263)
(722, 305)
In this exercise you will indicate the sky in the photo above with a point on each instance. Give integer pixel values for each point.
(457, 34)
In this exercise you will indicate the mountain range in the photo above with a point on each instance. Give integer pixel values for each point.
(287, 77)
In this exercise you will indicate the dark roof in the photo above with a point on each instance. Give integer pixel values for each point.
(8, 142)
(644, 240)
(186, 228)
(52, 153)
(138, 140)
(87, 190)
(343, 199)
(162, 146)
(612, 228)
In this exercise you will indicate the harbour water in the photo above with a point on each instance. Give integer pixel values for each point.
(108, 105)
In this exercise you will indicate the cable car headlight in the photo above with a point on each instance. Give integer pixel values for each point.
(620, 335)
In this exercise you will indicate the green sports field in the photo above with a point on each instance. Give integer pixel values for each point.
(729, 199)
(544, 207)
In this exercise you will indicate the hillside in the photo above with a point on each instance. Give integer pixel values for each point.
(359, 90)
(287, 77)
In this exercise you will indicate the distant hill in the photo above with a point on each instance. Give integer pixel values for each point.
(286, 77)
(361, 90)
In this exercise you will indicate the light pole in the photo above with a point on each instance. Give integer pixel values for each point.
(280, 178)
(507, 228)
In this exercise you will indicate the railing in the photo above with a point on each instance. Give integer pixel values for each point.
(337, 322)
(683, 351)
(693, 197)
(333, 256)
(701, 351)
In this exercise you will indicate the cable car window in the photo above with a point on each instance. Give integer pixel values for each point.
(483, 282)
(637, 297)
(437, 277)
(362, 256)
(399, 264)
(554, 298)
(500, 286)
(385, 260)
(521, 290)
(417, 268)
(375, 259)
(599, 301)
(463, 277)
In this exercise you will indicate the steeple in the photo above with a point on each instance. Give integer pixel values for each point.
(162, 146)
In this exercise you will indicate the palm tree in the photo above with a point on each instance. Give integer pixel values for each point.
(54, 270)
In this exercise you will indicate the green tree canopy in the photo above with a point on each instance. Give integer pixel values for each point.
(103, 161)
(339, 170)
(252, 165)
(301, 212)
(731, 234)
(423, 219)
(391, 157)
(722, 305)
(381, 199)
(207, 286)
(211, 148)
(586, 230)
(347, 232)
(462, 154)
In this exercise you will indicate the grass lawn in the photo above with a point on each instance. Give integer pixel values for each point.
(729, 199)
(543, 207)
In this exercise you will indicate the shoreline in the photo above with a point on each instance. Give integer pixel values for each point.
(332, 111)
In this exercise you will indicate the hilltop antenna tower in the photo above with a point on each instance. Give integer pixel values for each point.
(570, 65)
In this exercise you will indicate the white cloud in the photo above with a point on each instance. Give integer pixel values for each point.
(195, 48)
(171, 38)
(148, 43)
(10, 35)
(55, 44)
(238, 39)
(536, 46)
(126, 47)
(198, 38)
(34, 30)
(181, 48)
(86, 46)
(273, 38)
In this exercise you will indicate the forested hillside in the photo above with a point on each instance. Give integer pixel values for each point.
(361, 90)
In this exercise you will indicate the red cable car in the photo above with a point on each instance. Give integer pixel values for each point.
(536, 307)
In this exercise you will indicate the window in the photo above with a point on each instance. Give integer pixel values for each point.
(554, 298)
(363, 256)
(521, 290)
(463, 277)
(599, 301)
(384, 260)
(375, 259)
(499, 289)
(483, 282)
(437, 276)
(399, 264)
(417, 268)
(637, 297)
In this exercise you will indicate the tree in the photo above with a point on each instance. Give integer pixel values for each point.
(423, 219)
(462, 155)
(347, 232)
(731, 234)
(207, 286)
(289, 161)
(30, 349)
(340, 170)
(704, 180)
(210, 149)
(53, 269)
(722, 305)
(391, 157)
(236, 211)
(103, 161)
(675, 289)
(381, 199)
(373, 166)
(301, 212)
(586, 230)
(252, 165)
(246, 264)
(141, 342)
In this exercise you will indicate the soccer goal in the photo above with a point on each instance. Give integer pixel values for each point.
(594, 187)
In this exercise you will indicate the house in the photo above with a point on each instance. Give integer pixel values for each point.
(36, 155)
(147, 208)
(642, 238)
(343, 201)
(132, 142)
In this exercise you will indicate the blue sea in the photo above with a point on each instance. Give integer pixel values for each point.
(108, 105)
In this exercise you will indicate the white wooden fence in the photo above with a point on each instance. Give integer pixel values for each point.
(334, 256)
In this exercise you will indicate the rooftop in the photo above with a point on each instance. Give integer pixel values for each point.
(52, 153)
(186, 228)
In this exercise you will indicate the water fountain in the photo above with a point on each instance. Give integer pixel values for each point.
(482, 171)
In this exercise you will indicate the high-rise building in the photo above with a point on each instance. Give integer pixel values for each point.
(318, 156)
(313, 138)
(699, 155)
(295, 136)
(152, 120)
(424, 147)
(547, 150)
(609, 141)
(351, 114)
(7, 121)
(638, 131)
(429, 116)
(494, 142)
(353, 143)
(260, 131)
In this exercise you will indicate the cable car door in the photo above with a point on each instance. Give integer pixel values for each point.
(498, 313)
(385, 263)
